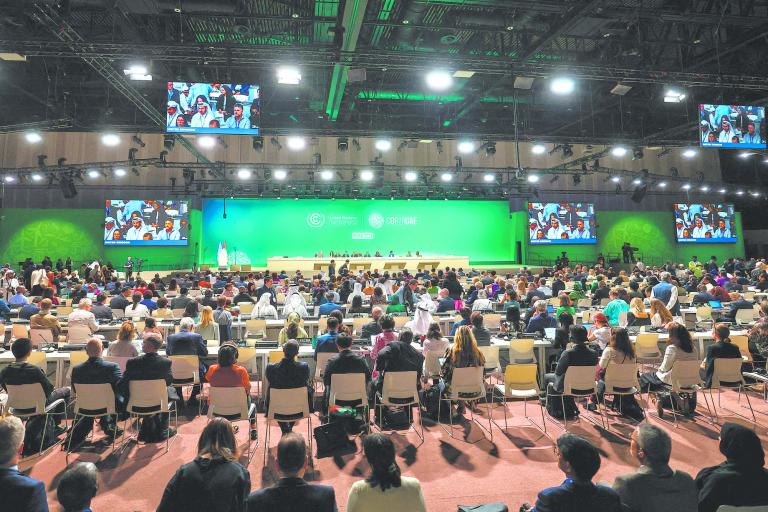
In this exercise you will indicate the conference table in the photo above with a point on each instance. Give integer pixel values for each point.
(394, 263)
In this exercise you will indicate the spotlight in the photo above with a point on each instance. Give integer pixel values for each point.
(9, 179)
(366, 175)
(616, 179)
(37, 177)
(411, 176)
(206, 142)
(577, 179)
(439, 80)
(686, 186)
(33, 137)
(637, 181)
(745, 154)
(288, 75)
(465, 147)
(689, 153)
(342, 144)
(662, 184)
(567, 150)
(704, 188)
(132, 154)
(619, 151)
(739, 192)
(533, 178)
(296, 143)
(258, 143)
(538, 149)
(120, 172)
(673, 96)
(137, 72)
(326, 175)
(168, 142)
(488, 178)
(446, 176)
(562, 86)
(489, 147)
(722, 191)
(110, 139)
(383, 145)
(755, 194)
(93, 174)
(244, 174)
(279, 174)
(637, 153)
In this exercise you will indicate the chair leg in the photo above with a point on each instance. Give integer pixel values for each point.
(266, 444)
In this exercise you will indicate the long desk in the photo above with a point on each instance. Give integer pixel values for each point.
(396, 263)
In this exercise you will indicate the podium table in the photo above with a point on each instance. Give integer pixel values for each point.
(397, 263)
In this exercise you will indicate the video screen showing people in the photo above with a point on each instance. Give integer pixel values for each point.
(731, 126)
(562, 223)
(146, 222)
(705, 223)
(213, 108)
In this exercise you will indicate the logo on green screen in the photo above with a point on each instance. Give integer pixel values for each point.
(315, 220)
(376, 220)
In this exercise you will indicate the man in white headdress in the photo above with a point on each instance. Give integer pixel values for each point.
(264, 309)
(358, 290)
(203, 117)
(109, 228)
(173, 113)
(295, 304)
(421, 319)
(137, 229)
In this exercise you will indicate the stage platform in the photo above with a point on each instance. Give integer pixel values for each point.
(393, 264)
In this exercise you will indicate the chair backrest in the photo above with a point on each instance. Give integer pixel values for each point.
(322, 362)
(400, 321)
(121, 361)
(275, 356)
(647, 345)
(579, 380)
(177, 312)
(432, 363)
(246, 357)
(94, 399)
(118, 314)
(521, 351)
(231, 402)
(38, 336)
(209, 332)
(623, 318)
(163, 313)
(727, 373)
(288, 404)
(521, 377)
(399, 388)
(492, 320)
(185, 368)
(18, 331)
(742, 342)
(621, 377)
(685, 375)
(467, 382)
(586, 316)
(491, 355)
(63, 310)
(280, 298)
(254, 326)
(78, 334)
(583, 303)
(745, 316)
(38, 359)
(703, 313)
(322, 325)
(147, 394)
(604, 302)
(246, 308)
(26, 399)
(348, 387)
(359, 322)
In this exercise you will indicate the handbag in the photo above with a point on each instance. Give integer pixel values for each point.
(487, 507)
(329, 438)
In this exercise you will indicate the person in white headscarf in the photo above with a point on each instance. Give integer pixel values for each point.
(264, 309)
(295, 304)
(358, 290)
(482, 303)
(173, 113)
(421, 320)
(8, 284)
(203, 117)
(110, 225)
(137, 229)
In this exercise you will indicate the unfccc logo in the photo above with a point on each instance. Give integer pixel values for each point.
(376, 220)
(315, 220)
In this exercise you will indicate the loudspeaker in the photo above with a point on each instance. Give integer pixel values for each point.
(356, 75)
(639, 193)
(68, 187)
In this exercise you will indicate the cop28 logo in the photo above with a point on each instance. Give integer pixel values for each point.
(315, 220)
(376, 220)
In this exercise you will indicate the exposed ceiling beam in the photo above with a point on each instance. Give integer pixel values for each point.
(352, 22)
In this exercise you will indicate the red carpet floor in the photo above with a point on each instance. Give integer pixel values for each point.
(511, 468)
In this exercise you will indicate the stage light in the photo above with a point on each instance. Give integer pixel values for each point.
(206, 142)
(120, 172)
(562, 86)
(533, 178)
(93, 174)
(722, 191)
(366, 175)
(37, 177)
(258, 143)
(488, 178)
(673, 96)
(411, 176)
(619, 151)
(686, 186)
(439, 80)
(637, 153)
(615, 179)
(662, 184)
(288, 75)
(110, 139)
(755, 194)
(465, 147)
(739, 192)
(33, 137)
(296, 143)
(136, 69)
(704, 188)
(9, 179)
(745, 154)
(383, 144)
(446, 176)
(342, 144)
(689, 153)
(244, 174)
(326, 175)
(637, 181)
(538, 149)
(279, 174)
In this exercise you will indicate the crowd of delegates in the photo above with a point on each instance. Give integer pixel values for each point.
(708, 220)
(146, 220)
(731, 124)
(199, 105)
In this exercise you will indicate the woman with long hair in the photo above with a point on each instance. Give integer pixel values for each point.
(679, 348)
(125, 345)
(207, 327)
(215, 480)
(379, 296)
(660, 315)
(462, 354)
(566, 306)
(192, 310)
(293, 329)
(512, 321)
(136, 309)
(357, 306)
(385, 490)
(618, 351)
(637, 315)
(434, 341)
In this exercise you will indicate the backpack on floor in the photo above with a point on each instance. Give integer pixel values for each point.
(432, 405)
(685, 403)
(555, 407)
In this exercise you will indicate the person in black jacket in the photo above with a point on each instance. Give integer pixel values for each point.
(373, 327)
(267, 288)
(740, 481)
(737, 303)
(346, 362)
(579, 355)
(123, 300)
(451, 283)
(150, 366)
(292, 493)
(722, 348)
(289, 374)
(186, 342)
(215, 481)
(399, 356)
(95, 371)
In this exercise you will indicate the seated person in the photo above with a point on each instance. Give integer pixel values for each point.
(77, 487)
(737, 303)
(357, 307)
(27, 310)
(19, 491)
(326, 308)
(346, 362)
(600, 332)
(126, 344)
(445, 302)
(637, 315)
(541, 319)
(100, 310)
(465, 313)
(395, 306)
(722, 348)
(373, 327)
(45, 320)
(385, 337)
(580, 354)
(82, 316)
(188, 343)
(462, 354)
(289, 374)
(292, 330)
(327, 342)
(619, 351)
(399, 356)
(136, 309)
(613, 309)
(702, 295)
(479, 332)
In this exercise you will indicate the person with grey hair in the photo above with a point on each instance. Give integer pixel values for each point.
(19, 491)
(541, 319)
(188, 342)
(655, 486)
(373, 327)
(482, 303)
(444, 301)
(77, 487)
(82, 316)
(666, 292)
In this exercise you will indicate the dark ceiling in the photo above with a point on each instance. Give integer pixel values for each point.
(76, 50)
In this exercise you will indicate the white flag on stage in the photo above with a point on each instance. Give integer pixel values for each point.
(222, 256)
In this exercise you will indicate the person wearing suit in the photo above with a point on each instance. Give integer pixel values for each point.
(346, 362)
(188, 343)
(541, 319)
(96, 371)
(445, 302)
(267, 288)
(399, 356)
(373, 327)
(292, 493)
(737, 303)
(150, 366)
(19, 492)
(182, 300)
(721, 349)
(579, 355)
(289, 374)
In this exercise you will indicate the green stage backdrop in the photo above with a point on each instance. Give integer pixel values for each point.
(79, 233)
(257, 229)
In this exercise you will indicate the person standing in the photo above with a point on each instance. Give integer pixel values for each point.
(128, 268)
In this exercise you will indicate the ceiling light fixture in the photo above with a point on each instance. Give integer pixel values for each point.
(326, 175)
(411, 176)
(439, 80)
(206, 142)
(279, 174)
(465, 147)
(33, 137)
(446, 176)
(366, 175)
(296, 143)
(619, 151)
(288, 75)
(533, 178)
(562, 86)
(110, 139)
(689, 153)
(383, 144)
(244, 174)
(538, 149)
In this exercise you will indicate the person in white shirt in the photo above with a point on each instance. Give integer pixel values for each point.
(137, 229)
(640, 265)
(727, 133)
(555, 230)
(169, 233)
(136, 309)
(722, 230)
(482, 303)
(263, 308)
(203, 117)
(82, 316)
(421, 320)
(699, 229)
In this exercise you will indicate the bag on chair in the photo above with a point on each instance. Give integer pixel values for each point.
(329, 438)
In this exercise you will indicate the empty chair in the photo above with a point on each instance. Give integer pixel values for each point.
(246, 308)
(185, 370)
(41, 336)
(177, 313)
(647, 348)
(745, 316)
(584, 303)
(359, 322)
(75, 358)
(685, 378)
(320, 364)
(118, 314)
(521, 351)
(19, 331)
(492, 362)
(703, 314)
(38, 359)
(492, 321)
(520, 383)
(742, 342)
(727, 375)
(120, 361)
(256, 328)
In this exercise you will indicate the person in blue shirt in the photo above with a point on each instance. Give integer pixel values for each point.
(541, 320)
(237, 120)
(751, 136)
(327, 342)
(328, 306)
(465, 314)
(5, 311)
(151, 305)
(19, 299)
(722, 230)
